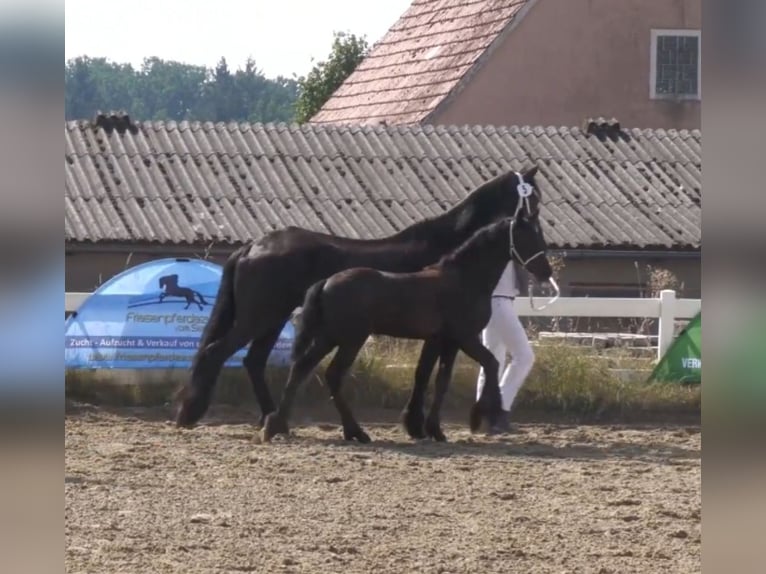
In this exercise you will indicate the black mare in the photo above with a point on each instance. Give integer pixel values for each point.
(447, 305)
(265, 281)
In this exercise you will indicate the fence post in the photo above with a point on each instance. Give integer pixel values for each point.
(667, 321)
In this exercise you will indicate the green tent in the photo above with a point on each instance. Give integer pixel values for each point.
(682, 361)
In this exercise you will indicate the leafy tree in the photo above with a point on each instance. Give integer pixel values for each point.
(81, 92)
(168, 90)
(316, 88)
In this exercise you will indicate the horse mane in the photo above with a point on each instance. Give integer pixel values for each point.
(477, 242)
(453, 218)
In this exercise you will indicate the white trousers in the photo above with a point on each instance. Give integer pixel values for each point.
(505, 333)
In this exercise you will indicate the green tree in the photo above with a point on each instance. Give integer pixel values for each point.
(316, 88)
(168, 90)
(81, 94)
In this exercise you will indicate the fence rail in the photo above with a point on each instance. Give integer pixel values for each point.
(667, 308)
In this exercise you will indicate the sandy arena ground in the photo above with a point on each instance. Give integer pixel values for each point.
(145, 497)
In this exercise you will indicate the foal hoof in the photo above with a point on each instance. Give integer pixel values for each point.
(273, 425)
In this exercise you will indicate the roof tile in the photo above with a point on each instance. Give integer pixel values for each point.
(197, 183)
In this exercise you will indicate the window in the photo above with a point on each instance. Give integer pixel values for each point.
(676, 70)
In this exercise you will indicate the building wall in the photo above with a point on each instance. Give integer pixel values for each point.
(85, 271)
(612, 277)
(571, 59)
(627, 277)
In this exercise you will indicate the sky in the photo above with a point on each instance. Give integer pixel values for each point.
(280, 35)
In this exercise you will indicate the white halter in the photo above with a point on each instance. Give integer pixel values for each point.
(525, 191)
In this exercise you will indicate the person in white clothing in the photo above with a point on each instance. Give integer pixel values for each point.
(505, 333)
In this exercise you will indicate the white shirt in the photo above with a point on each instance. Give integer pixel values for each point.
(506, 286)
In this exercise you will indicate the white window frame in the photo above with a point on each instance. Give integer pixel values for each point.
(656, 33)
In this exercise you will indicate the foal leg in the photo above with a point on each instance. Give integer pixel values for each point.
(412, 415)
(337, 369)
(277, 421)
(490, 403)
(443, 376)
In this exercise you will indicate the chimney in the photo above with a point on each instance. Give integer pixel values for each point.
(603, 128)
(119, 121)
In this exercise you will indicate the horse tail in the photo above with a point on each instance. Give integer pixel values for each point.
(311, 319)
(222, 315)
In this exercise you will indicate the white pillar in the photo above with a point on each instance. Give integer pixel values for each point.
(667, 321)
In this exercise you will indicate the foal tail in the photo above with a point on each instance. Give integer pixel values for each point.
(311, 319)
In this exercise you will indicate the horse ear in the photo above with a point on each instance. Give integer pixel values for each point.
(530, 173)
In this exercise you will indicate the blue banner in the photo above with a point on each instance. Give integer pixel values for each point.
(152, 317)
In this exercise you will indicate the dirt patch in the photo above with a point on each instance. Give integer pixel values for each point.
(143, 496)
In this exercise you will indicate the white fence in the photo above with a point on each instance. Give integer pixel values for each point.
(667, 309)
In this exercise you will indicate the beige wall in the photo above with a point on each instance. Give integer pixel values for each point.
(571, 59)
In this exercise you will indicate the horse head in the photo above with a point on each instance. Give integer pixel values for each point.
(521, 197)
(512, 194)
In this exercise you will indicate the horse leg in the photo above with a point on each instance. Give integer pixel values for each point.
(277, 421)
(412, 415)
(255, 365)
(443, 376)
(336, 370)
(489, 403)
(195, 397)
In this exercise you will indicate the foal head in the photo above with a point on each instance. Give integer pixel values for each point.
(520, 239)
(528, 246)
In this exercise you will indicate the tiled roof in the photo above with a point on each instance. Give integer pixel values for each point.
(419, 61)
(192, 183)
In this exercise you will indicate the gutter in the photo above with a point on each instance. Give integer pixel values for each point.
(172, 249)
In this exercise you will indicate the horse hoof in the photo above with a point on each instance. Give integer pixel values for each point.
(417, 433)
(273, 425)
(438, 435)
(356, 434)
(474, 421)
(363, 437)
(434, 431)
(413, 424)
